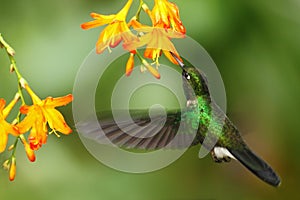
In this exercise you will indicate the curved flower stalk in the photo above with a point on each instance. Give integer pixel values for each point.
(39, 116)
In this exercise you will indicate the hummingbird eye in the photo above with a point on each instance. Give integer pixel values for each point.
(186, 75)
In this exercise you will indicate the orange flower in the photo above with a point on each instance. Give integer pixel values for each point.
(5, 127)
(41, 113)
(166, 15)
(116, 31)
(157, 41)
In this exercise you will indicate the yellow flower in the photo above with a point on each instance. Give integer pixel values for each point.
(5, 127)
(157, 41)
(41, 113)
(116, 31)
(166, 15)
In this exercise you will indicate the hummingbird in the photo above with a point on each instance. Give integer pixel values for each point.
(202, 116)
(229, 144)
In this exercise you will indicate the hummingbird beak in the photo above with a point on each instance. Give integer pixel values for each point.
(181, 64)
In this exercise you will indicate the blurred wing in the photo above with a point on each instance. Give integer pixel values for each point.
(139, 131)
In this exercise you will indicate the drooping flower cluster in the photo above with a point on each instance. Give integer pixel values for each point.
(166, 24)
(38, 118)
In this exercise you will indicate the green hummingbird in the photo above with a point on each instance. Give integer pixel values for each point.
(229, 144)
(201, 122)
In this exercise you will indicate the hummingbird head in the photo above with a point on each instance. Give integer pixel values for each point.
(196, 79)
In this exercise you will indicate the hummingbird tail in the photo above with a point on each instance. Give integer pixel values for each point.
(256, 165)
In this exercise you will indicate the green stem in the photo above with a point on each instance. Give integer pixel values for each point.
(15, 147)
(137, 15)
(19, 76)
(14, 64)
(139, 56)
(10, 52)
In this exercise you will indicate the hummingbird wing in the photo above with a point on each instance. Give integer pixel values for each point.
(139, 130)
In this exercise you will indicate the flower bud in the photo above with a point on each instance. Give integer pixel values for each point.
(29, 152)
(12, 169)
(23, 82)
(11, 147)
(130, 64)
(12, 68)
(6, 165)
(10, 51)
(151, 69)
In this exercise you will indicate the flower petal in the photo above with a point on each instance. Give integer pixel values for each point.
(126, 34)
(9, 107)
(140, 27)
(123, 12)
(100, 20)
(108, 18)
(33, 96)
(29, 120)
(56, 121)
(143, 40)
(103, 40)
(171, 58)
(148, 53)
(3, 139)
(25, 109)
(2, 104)
(38, 135)
(91, 24)
(115, 40)
(174, 34)
(58, 101)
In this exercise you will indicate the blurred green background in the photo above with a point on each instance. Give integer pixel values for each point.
(256, 46)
